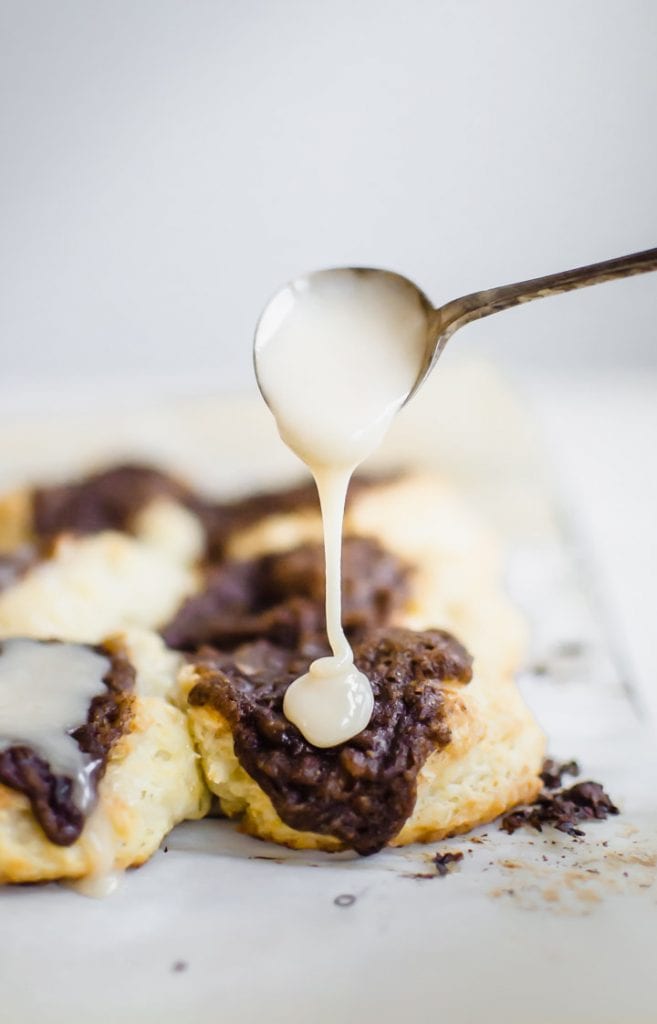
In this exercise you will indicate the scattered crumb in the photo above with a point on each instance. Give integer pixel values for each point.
(178, 966)
(444, 860)
(553, 772)
(561, 808)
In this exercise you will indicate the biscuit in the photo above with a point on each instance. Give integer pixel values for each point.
(151, 781)
(489, 758)
(495, 751)
(91, 587)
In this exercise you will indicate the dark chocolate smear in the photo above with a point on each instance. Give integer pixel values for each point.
(51, 796)
(280, 597)
(362, 791)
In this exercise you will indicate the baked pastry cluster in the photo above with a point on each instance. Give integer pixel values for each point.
(209, 609)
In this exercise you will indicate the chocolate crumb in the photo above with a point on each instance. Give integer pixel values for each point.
(346, 899)
(179, 966)
(559, 807)
(553, 772)
(443, 861)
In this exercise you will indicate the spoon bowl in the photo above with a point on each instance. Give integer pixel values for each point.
(343, 280)
(442, 322)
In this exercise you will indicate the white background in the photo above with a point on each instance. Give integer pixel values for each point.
(166, 164)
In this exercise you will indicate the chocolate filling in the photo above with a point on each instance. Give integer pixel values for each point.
(361, 791)
(51, 795)
(280, 597)
(222, 520)
(108, 500)
(113, 497)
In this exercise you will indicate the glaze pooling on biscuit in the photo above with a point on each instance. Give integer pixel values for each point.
(51, 795)
(362, 791)
(280, 597)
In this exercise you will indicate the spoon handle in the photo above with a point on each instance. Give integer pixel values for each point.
(479, 304)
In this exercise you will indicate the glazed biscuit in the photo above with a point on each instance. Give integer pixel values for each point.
(151, 781)
(480, 751)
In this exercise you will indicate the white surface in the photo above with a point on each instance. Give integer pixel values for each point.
(601, 434)
(529, 929)
(166, 165)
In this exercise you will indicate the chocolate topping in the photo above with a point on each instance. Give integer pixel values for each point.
(108, 500)
(361, 791)
(51, 795)
(113, 497)
(280, 597)
(222, 520)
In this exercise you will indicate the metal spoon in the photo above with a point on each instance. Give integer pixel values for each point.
(445, 320)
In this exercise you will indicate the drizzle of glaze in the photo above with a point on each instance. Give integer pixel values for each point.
(45, 693)
(46, 690)
(337, 355)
